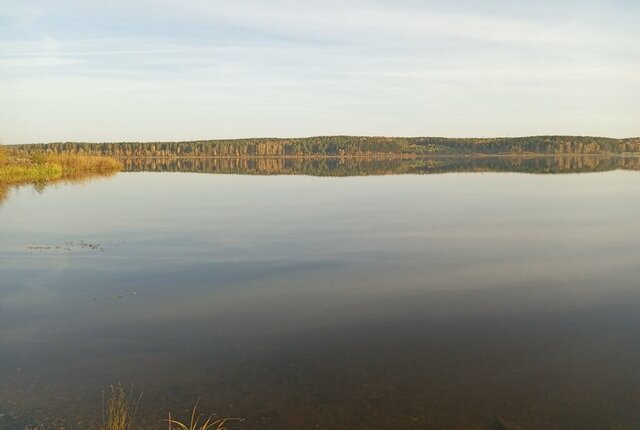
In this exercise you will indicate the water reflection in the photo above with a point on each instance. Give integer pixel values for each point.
(410, 302)
(383, 166)
(39, 187)
(354, 166)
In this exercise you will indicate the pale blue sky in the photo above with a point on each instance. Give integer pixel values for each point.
(169, 69)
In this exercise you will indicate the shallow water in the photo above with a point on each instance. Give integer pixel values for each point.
(406, 302)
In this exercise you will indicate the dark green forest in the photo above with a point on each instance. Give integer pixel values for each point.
(345, 146)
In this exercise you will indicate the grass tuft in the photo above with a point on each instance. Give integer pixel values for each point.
(198, 422)
(119, 409)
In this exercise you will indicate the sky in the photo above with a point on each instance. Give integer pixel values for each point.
(202, 69)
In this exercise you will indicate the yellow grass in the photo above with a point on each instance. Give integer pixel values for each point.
(198, 422)
(73, 164)
(38, 167)
(17, 173)
(119, 409)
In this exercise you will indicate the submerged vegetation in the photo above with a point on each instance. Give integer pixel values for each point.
(345, 146)
(41, 168)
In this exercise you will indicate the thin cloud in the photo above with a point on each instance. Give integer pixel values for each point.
(202, 69)
(38, 62)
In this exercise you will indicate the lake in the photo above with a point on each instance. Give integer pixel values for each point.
(415, 301)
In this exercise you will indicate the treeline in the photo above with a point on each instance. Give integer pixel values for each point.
(382, 166)
(582, 145)
(345, 146)
(265, 147)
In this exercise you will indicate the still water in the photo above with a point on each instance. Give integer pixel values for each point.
(446, 301)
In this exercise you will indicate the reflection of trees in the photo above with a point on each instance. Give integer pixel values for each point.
(274, 166)
(382, 166)
(356, 166)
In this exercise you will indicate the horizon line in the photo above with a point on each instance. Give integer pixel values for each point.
(322, 136)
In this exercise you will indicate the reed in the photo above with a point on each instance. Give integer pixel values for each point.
(16, 174)
(198, 422)
(38, 167)
(73, 163)
(119, 409)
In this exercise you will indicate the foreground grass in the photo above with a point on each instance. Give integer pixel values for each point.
(119, 409)
(119, 412)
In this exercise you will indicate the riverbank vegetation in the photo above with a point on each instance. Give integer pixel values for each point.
(347, 146)
(41, 168)
(37, 166)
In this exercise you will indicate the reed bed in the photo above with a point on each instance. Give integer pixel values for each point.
(17, 174)
(74, 164)
(39, 167)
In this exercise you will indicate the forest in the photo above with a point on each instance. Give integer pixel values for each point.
(347, 146)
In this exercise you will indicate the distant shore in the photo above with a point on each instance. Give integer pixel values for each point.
(348, 146)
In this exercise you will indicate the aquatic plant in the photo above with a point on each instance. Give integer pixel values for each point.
(197, 422)
(39, 169)
(14, 174)
(119, 409)
(74, 164)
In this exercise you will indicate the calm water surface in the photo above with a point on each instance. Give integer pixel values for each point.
(406, 302)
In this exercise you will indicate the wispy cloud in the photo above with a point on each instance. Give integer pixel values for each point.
(40, 61)
(173, 69)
